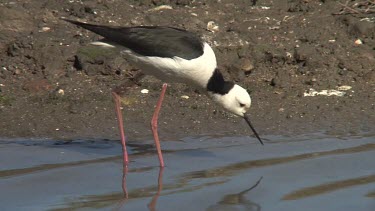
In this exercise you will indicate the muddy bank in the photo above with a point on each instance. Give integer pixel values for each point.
(53, 84)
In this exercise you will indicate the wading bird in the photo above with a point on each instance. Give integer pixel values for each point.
(171, 55)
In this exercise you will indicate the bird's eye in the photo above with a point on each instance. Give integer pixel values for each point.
(242, 105)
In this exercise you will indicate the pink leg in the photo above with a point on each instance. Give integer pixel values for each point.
(116, 97)
(154, 124)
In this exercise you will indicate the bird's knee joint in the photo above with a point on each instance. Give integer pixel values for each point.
(154, 124)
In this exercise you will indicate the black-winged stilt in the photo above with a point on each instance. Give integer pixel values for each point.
(171, 55)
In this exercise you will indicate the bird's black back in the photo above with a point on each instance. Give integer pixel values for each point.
(159, 41)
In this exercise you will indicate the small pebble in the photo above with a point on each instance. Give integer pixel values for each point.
(246, 65)
(212, 26)
(161, 7)
(45, 29)
(358, 42)
(60, 92)
(264, 8)
(144, 91)
(344, 88)
(289, 55)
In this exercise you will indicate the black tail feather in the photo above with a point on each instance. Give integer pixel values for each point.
(97, 29)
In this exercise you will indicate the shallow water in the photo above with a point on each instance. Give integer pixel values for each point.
(311, 172)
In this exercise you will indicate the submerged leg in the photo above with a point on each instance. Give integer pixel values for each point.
(116, 98)
(154, 124)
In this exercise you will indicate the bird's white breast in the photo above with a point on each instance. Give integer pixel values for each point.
(195, 71)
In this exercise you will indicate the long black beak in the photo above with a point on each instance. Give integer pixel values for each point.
(252, 128)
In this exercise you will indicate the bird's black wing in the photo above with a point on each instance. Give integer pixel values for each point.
(159, 41)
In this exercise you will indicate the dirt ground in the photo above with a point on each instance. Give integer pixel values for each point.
(53, 84)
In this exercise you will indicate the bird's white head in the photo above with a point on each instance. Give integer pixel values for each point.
(236, 101)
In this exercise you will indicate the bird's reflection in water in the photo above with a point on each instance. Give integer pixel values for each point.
(152, 205)
(237, 201)
(124, 189)
(124, 173)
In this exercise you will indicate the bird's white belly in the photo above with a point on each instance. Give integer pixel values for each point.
(195, 71)
(165, 69)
